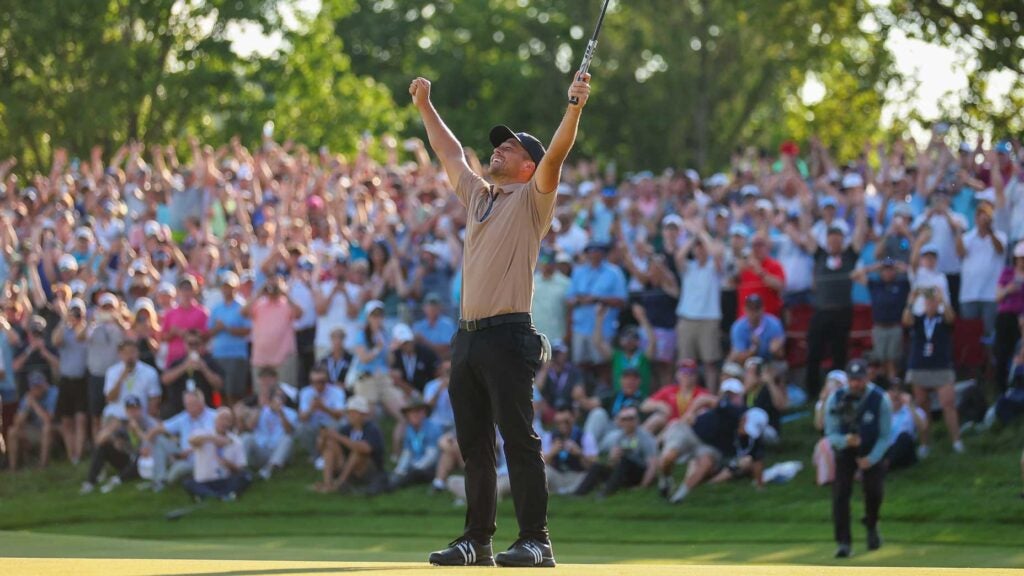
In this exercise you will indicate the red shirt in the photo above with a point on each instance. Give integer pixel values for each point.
(751, 283)
(669, 395)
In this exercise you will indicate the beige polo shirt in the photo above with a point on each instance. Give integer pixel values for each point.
(504, 228)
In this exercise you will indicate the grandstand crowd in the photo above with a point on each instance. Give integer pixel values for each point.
(210, 320)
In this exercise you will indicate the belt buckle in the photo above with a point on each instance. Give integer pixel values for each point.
(472, 326)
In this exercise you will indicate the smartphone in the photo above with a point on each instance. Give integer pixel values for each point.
(268, 128)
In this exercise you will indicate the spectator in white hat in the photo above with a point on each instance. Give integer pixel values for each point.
(942, 229)
(924, 262)
(701, 265)
(749, 447)
(105, 334)
(354, 453)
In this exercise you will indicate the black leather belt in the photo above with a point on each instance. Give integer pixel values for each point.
(483, 323)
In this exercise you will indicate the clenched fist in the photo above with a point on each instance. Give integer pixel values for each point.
(419, 89)
(580, 89)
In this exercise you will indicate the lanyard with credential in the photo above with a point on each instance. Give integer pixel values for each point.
(930, 323)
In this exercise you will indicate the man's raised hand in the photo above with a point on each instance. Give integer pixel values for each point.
(580, 89)
(419, 89)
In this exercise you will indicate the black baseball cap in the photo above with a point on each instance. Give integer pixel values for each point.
(132, 402)
(857, 368)
(501, 133)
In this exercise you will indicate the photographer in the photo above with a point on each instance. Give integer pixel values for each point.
(858, 425)
(273, 336)
(764, 388)
(195, 370)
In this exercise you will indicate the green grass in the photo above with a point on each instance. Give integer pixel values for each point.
(956, 511)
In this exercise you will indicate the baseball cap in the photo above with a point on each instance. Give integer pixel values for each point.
(836, 230)
(596, 246)
(852, 180)
(83, 233)
(358, 404)
(755, 421)
(966, 147)
(732, 369)
(888, 263)
(143, 304)
(986, 195)
(930, 249)
(687, 365)
(754, 300)
(828, 202)
(731, 386)
(107, 299)
(432, 298)
(415, 402)
(229, 278)
(716, 180)
(586, 188)
(402, 333)
(67, 262)
(857, 368)
(789, 148)
(36, 378)
(562, 258)
(631, 371)
(151, 228)
(672, 220)
(372, 306)
(501, 133)
(739, 230)
(1004, 147)
(306, 263)
(132, 402)
(166, 288)
(764, 204)
(78, 286)
(838, 376)
(749, 190)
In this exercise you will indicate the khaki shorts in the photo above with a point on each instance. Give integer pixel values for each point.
(378, 388)
(698, 340)
(679, 437)
(887, 343)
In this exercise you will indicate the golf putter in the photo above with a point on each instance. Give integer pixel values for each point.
(588, 55)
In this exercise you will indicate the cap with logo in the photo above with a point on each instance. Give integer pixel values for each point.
(501, 133)
(857, 368)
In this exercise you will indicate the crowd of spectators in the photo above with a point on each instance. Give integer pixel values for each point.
(213, 319)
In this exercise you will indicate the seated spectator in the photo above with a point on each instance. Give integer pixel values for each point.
(765, 389)
(628, 352)
(747, 457)
(601, 409)
(909, 423)
(823, 457)
(219, 461)
(321, 405)
(104, 337)
(229, 331)
(34, 422)
(196, 370)
(457, 484)
(121, 448)
(705, 439)
(556, 380)
(930, 365)
(370, 375)
(418, 459)
(435, 329)
(674, 401)
(449, 459)
(130, 377)
(888, 295)
(412, 364)
(174, 459)
(757, 333)
(268, 445)
(436, 396)
(568, 453)
(631, 458)
(337, 361)
(353, 454)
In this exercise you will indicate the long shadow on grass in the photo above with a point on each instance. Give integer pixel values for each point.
(271, 571)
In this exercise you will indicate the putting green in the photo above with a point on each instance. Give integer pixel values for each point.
(121, 567)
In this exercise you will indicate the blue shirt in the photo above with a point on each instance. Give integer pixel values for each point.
(604, 281)
(48, 402)
(379, 363)
(333, 397)
(769, 329)
(888, 300)
(417, 442)
(226, 345)
(183, 425)
(440, 334)
(601, 222)
(270, 429)
(442, 414)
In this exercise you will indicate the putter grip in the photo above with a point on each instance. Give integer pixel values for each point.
(572, 99)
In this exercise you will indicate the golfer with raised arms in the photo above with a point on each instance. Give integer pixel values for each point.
(496, 351)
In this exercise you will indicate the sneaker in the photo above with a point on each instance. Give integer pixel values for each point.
(665, 486)
(158, 487)
(463, 552)
(679, 494)
(438, 486)
(958, 447)
(229, 497)
(923, 451)
(843, 551)
(87, 488)
(144, 485)
(527, 553)
(266, 472)
(319, 463)
(110, 485)
(874, 539)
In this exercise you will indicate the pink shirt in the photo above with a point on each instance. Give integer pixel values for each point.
(192, 317)
(273, 338)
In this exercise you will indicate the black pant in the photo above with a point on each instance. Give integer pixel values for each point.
(1007, 335)
(236, 483)
(842, 490)
(624, 474)
(953, 280)
(831, 329)
(492, 383)
(305, 343)
(902, 453)
(122, 461)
